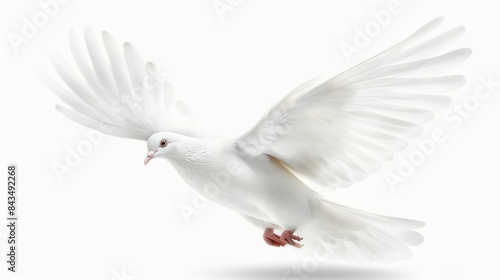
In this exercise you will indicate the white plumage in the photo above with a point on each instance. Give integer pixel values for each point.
(332, 130)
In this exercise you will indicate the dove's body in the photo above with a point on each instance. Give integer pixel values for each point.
(269, 196)
(260, 188)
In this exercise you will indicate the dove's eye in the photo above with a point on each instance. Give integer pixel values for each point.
(163, 143)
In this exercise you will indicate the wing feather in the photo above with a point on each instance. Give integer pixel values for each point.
(112, 89)
(336, 130)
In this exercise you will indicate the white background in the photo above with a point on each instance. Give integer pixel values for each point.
(114, 218)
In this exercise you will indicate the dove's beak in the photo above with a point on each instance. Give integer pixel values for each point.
(150, 156)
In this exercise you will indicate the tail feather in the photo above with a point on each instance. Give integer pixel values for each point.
(343, 233)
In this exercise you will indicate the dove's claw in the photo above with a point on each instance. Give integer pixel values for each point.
(289, 238)
(273, 239)
(286, 237)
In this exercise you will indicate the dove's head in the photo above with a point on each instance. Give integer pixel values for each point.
(161, 145)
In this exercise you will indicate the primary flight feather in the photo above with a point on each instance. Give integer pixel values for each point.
(333, 130)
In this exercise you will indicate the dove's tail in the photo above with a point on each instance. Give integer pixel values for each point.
(344, 233)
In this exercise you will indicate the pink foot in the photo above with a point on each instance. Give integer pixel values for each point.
(273, 239)
(286, 237)
(289, 238)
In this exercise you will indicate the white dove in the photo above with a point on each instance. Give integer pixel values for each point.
(332, 131)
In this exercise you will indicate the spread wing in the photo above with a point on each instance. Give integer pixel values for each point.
(113, 90)
(337, 130)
